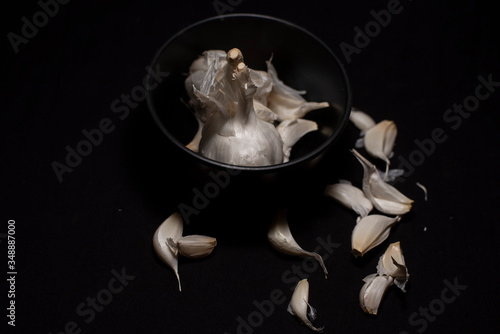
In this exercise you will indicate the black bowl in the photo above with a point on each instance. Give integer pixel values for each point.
(302, 61)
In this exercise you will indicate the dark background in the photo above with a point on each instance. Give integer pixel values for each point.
(71, 235)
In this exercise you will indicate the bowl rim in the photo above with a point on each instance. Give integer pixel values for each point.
(323, 147)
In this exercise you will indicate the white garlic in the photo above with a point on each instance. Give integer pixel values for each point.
(379, 140)
(372, 292)
(281, 239)
(392, 263)
(350, 196)
(361, 119)
(370, 232)
(193, 246)
(291, 130)
(171, 228)
(287, 102)
(299, 305)
(383, 196)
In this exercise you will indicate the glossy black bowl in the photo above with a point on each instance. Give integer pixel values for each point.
(302, 61)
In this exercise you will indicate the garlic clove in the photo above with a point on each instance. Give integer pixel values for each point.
(287, 102)
(361, 120)
(281, 239)
(392, 263)
(370, 232)
(350, 196)
(379, 140)
(291, 130)
(299, 304)
(171, 228)
(193, 246)
(372, 292)
(195, 142)
(263, 112)
(383, 196)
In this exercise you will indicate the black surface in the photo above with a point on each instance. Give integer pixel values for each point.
(71, 235)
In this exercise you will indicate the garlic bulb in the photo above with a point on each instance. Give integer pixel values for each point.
(171, 228)
(392, 263)
(383, 196)
(372, 292)
(379, 140)
(361, 119)
(299, 305)
(370, 232)
(281, 239)
(350, 196)
(193, 246)
(291, 130)
(287, 102)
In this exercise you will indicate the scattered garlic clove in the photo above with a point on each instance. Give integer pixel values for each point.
(299, 304)
(361, 120)
(193, 246)
(350, 196)
(287, 102)
(392, 263)
(372, 292)
(291, 130)
(281, 239)
(171, 228)
(383, 196)
(379, 140)
(370, 232)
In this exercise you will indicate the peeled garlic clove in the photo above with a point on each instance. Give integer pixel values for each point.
(291, 130)
(350, 196)
(372, 292)
(379, 140)
(171, 228)
(299, 304)
(361, 120)
(194, 246)
(287, 102)
(281, 239)
(392, 263)
(370, 232)
(383, 196)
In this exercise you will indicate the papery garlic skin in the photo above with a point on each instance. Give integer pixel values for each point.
(392, 263)
(350, 196)
(171, 228)
(361, 120)
(193, 246)
(281, 239)
(299, 304)
(373, 291)
(291, 130)
(370, 232)
(383, 196)
(379, 140)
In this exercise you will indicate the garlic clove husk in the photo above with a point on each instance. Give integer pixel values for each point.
(291, 130)
(379, 140)
(195, 142)
(287, 102)
(361, 120)
(281, 239)
(193, 246)
(350, 196)
(299, 305)
(171, 228)
(370, 232)
(392, 263)
(263, 112)
(373, 291)
(383, 196)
